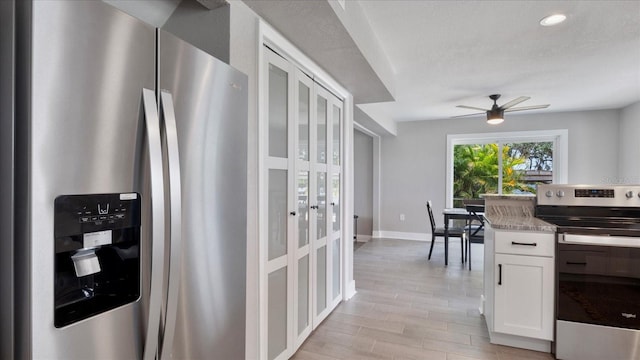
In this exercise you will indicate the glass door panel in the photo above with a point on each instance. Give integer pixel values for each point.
(336, 269)
(321, 242)
(321, 133)
(277, 225)
(335, 202)
(277, 313)
(278, 110)
(304, 111)
(303, 294)
(336, 132)
(321, 217)
(303, 208)
(321, 280)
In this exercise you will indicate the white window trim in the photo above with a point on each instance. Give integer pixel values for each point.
(560, 139)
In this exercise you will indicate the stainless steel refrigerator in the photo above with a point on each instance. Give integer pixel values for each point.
(124, 181)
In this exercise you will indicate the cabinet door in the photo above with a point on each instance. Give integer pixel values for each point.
(524, 296)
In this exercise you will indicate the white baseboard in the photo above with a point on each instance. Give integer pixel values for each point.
(350, 290)
(402, 235)
(520, 342)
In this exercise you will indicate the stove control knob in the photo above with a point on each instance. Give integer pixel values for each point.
(560, 193)
(549, 193)
(629, 194)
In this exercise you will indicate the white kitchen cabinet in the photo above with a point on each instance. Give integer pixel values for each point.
(524, 296)
(519, 287)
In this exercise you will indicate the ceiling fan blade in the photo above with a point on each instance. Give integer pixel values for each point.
(515, 101)
(475, 114)
(528, 108)
(472, 107)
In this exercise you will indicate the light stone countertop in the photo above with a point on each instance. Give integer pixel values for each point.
(521, 223)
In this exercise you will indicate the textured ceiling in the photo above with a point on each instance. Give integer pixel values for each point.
(446, 53)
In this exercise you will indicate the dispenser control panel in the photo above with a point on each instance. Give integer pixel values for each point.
(76, 214)
(97, 254)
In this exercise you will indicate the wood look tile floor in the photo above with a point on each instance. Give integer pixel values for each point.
(409, 308)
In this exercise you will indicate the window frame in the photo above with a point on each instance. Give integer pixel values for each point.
(559, 137)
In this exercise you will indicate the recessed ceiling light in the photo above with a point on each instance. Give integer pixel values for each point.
(554, 19)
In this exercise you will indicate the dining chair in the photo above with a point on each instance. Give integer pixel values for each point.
(439, 231)
(474, 227)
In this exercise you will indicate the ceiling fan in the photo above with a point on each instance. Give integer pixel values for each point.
(495, 115)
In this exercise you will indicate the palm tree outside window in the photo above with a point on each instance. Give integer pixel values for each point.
(500, 168)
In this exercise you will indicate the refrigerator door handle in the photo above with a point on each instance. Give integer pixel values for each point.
(171, 134)
(152, 126)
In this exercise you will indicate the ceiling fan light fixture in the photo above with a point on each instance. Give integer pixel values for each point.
(552, 20)
(495, 117)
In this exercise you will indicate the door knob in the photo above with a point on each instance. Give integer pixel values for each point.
(293, 213)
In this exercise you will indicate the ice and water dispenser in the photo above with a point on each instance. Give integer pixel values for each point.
(97, 254)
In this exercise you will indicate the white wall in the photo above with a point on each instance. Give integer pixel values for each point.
(413, 162)
(355, 21)
(629, 153)
(243, 55)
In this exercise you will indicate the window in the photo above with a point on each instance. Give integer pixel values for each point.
(503, 163)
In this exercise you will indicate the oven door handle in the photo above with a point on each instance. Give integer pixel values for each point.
(583, 263)
(599, 240)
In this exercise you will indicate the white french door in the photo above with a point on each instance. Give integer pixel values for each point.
(303, 273)
(326, 229)
(276, 275)
(319, 204)
(301, 234)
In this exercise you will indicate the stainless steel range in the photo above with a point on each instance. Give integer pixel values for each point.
(597, 268)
